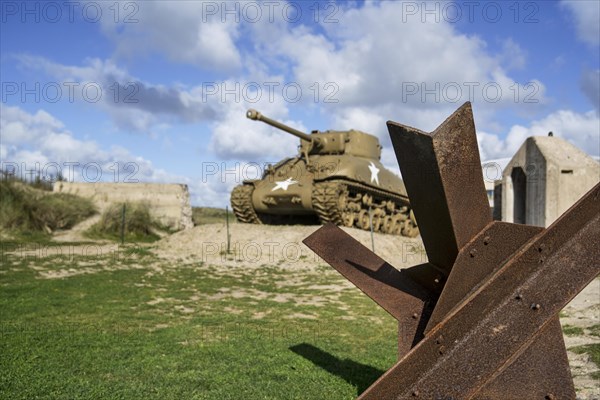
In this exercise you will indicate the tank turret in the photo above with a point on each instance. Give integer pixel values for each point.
(336, 177)
(328, 142)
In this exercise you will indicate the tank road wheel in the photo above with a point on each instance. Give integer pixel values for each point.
(397, 224)
(348, 218)
(377, 221)
(409, 230)
(386, 226)
(347, 204)
(410, 227)
(241, 204)
(330, 202)
(363, 220)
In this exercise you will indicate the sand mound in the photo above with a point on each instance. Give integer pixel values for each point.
(254, 246)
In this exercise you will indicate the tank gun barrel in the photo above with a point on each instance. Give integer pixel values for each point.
(257, 116)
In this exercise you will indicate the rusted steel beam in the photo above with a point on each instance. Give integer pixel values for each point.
(443, 177)
(392, 289)
(478, 341)
(477, 261)
(545, 360)
(540, 371)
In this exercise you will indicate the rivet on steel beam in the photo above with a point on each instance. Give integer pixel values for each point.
(472, 253)
(535, 306)
(550, 397)
(415, 316)
(439, 340)
(441, 350)
(518, 296)
(486, 240)
(541, 247)
(415, 393)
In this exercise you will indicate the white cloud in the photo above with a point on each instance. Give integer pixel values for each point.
(362, 119)
(236, 137)
(581, 129)
(374, 60)
(587, 19)
(383, 72)
(513, 56)
(132, 104)
(48, 147)
(185, 31)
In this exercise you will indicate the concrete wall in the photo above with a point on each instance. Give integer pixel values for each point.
(497, 208)
(169, 203)
(543, 179)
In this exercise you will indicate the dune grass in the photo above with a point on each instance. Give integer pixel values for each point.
(139, 224)
(28, 211)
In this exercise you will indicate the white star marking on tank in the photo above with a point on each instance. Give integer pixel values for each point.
(374, 173)
(283, 184)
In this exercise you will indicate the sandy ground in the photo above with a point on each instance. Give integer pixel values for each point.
(583, 312)
(253, 246)
(76, 233)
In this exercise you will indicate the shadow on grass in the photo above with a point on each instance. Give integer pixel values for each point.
(357, 374)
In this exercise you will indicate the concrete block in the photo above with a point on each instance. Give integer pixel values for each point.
(169, 203)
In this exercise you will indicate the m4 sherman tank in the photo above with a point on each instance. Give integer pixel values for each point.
(336, 177)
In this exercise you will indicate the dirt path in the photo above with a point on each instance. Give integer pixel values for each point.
(76, 233)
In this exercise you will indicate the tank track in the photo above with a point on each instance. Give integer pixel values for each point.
(347, 203)
(241, 204)
(325, 199)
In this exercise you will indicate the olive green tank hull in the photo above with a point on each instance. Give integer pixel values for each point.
(338, 201)
(337, 177)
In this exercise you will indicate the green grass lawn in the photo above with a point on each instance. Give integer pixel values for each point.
(135, 327)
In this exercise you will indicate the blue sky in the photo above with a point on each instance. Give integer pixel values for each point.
(158, 89)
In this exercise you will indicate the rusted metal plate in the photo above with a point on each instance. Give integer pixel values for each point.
(392, 289)
(480, 258)
(541, 371)
(443, 178)
(545, 360)
(466, 351)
